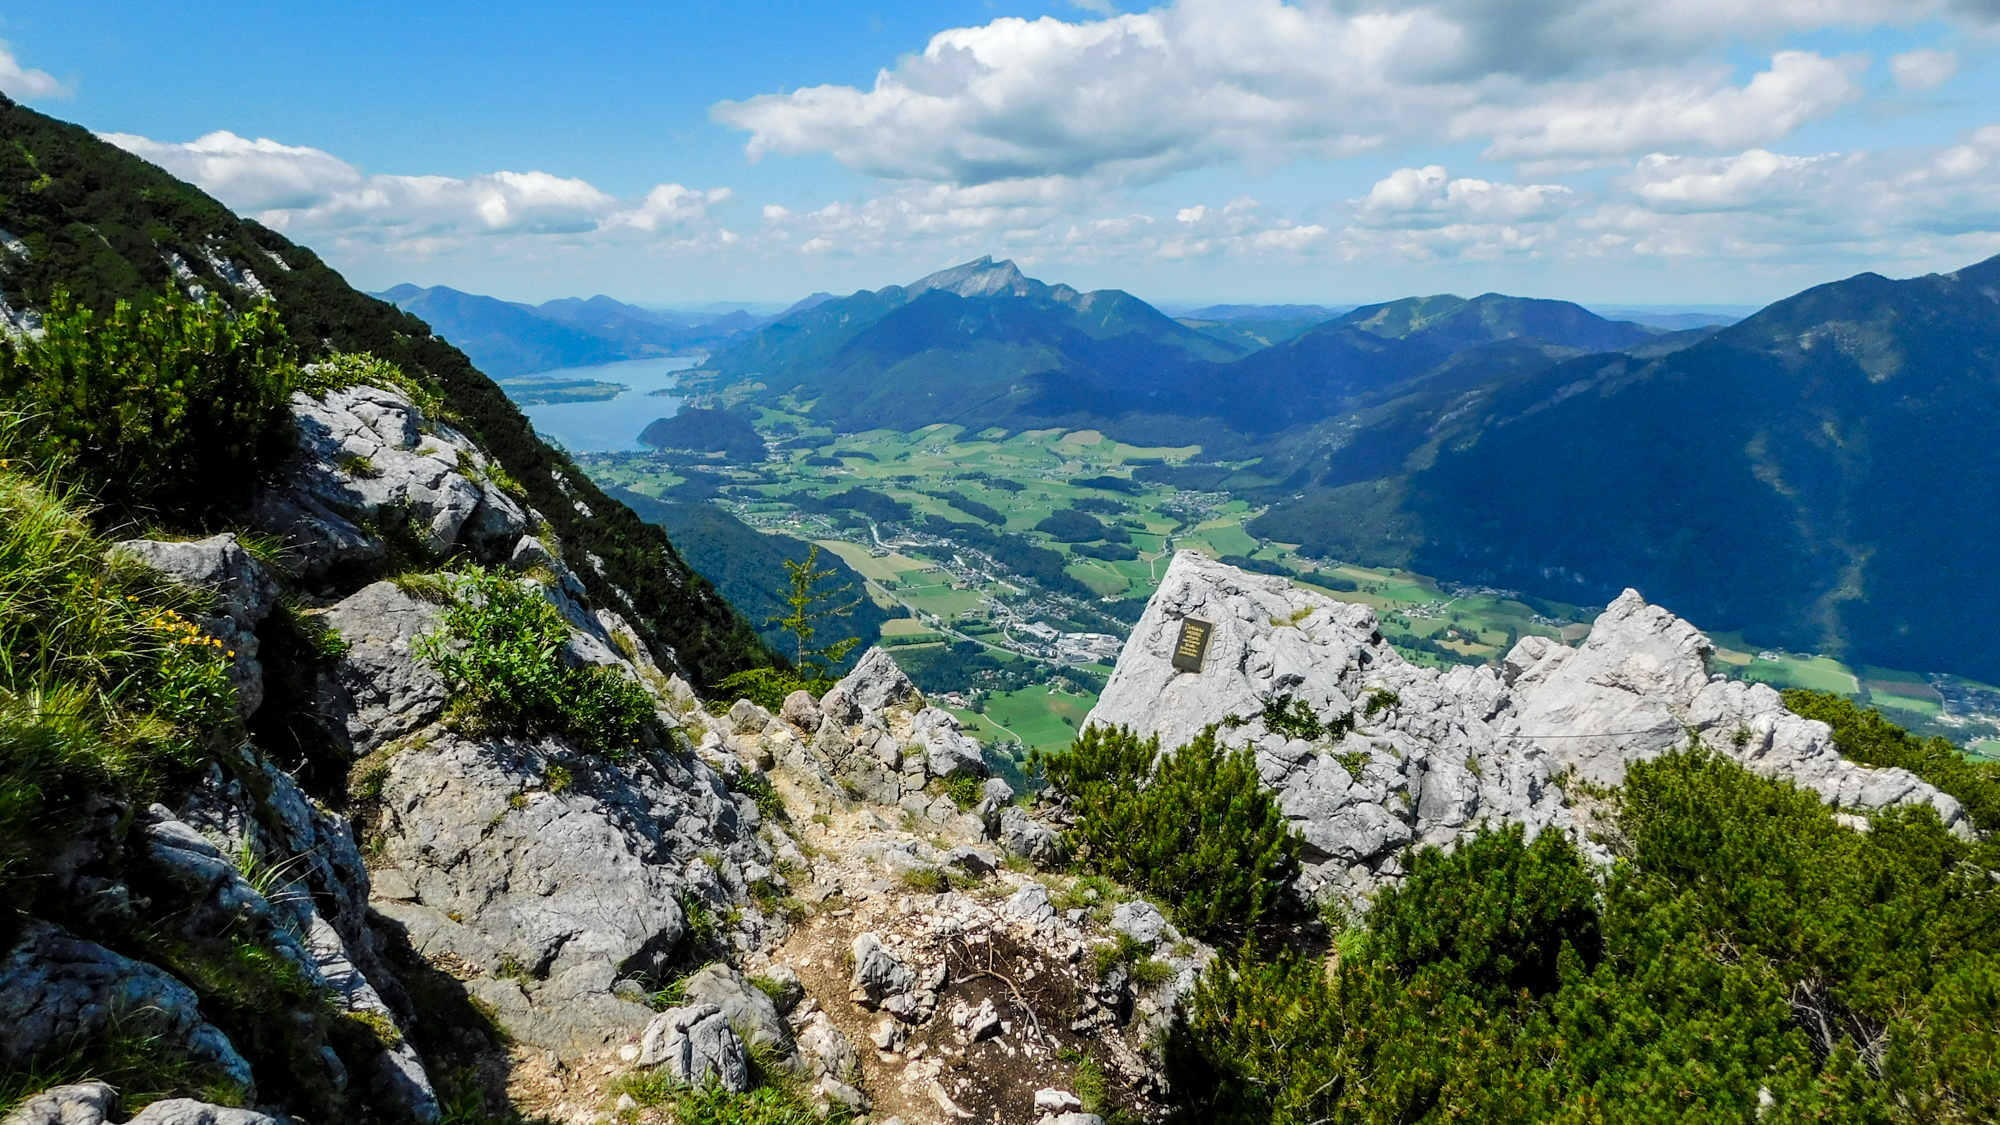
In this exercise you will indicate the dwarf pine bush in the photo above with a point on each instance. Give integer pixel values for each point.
(176, 408)
(1750, 959)
(1200, 833)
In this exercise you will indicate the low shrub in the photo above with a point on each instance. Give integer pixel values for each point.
(1498, 909)
(177, 408)
(1202, 834)
(500, 649)
(711, 1105)
(1750, 959)
(1868, 738)
(766, 687)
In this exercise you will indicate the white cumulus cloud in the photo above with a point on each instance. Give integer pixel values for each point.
(1429, 196)
(1757, 178)
(17, 81)
(310, 192)
(1629, 113)
(259, 175)
(1138, 97)
(1924, 69)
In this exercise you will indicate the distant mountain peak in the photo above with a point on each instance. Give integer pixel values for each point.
(982, 278)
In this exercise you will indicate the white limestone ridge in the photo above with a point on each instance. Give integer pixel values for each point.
(981, 278)
(1460, 748)
(988, 278)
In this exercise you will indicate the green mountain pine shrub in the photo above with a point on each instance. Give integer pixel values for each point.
(1868, 738)
(1499, 910)
(1200, 833)
(175, 408)
(1749, 959)
(500, 648)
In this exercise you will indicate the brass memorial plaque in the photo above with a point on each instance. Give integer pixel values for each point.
(1193, 645)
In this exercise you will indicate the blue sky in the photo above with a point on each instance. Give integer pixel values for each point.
(1611, 151)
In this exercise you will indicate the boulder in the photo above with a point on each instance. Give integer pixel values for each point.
(878, 974)
(947, 752)
(1048, 1099)
(875, 685)
(1142, 922)
(1024, 837)
(379, 691)
(82, 1103)
(93, 1103)
(187, 1111)
(801, 710)
(971, 860)
(57, 989)
(825, 1050)
(748, 718)
(695, 1044)
(752, 1014)
(1030, 905)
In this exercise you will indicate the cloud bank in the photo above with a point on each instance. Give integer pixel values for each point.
(313, 194)
(1136, 98)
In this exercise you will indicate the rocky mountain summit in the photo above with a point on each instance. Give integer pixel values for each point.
(1386, 753)
(835, 892)
(521, 905)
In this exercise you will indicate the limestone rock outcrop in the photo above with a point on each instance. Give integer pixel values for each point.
(56, 988)
(1406, 754)
(695, 1045)
(372, 459)
(243, 594)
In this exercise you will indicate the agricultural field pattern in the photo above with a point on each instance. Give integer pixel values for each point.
(1020, 660)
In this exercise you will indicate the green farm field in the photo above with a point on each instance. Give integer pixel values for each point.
(1009, 483)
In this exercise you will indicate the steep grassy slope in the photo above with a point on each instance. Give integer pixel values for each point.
(106, 226)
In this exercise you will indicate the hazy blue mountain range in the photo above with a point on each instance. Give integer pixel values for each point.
(1262, 312)
(1676, 318)
(979, 344)
(507, 338)
(1823, 472)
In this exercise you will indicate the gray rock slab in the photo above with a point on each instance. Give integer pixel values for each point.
(695, 1044)
(379, 690)
(753, 1014)
(56, 988)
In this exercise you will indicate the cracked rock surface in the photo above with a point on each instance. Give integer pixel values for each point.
(1416, 756)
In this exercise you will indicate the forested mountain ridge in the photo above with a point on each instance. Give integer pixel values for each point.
(503, 338)
(1821, 473)
(979, 343)
(1813, 474)
(93, 220)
